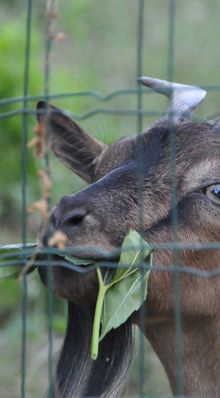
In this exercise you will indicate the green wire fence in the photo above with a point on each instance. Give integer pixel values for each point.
(23, 108)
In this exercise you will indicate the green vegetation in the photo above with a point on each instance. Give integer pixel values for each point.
(98, 54)
(120, 294)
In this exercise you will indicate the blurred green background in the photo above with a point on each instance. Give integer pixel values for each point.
(99, 54)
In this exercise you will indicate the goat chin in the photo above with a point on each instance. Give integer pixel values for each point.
(78, 375)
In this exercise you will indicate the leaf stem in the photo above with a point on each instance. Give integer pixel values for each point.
(125, 275)
(97, 317)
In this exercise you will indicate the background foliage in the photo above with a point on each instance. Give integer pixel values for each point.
(98, 53)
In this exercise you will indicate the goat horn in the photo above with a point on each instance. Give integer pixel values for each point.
(184, 99)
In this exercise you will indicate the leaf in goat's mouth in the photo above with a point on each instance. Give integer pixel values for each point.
(78, 261)
(12, 257)
(121, 292)
(125, 291)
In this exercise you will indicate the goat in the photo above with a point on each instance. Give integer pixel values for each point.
(103, 212)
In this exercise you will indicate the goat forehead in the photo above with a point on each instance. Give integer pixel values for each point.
(152, 154)
(205, 171)
(188, 141)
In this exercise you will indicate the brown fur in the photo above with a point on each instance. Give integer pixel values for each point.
(112, 205)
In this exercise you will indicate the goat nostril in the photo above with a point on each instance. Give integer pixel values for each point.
(75, 217)
(74, 220)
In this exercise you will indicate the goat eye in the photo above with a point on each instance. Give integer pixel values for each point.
(213, 193)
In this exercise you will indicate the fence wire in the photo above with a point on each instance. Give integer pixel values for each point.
(25, 110)
(24, 195)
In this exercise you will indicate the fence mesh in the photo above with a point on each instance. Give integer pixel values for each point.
(24, 109)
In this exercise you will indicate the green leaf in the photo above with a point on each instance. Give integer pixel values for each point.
(126, 289)
(9, 272)
(14, 254)
(134, 251)
(17, 247)
(122, 299)
(78, 261)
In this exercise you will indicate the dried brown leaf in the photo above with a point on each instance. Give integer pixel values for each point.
(60, 36)
(41, 206)
(45, 184)
(39, 142)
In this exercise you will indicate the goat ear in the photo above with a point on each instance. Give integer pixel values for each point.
(69, 142)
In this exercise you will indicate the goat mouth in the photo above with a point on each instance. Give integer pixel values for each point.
(91, 255)
(94, 253)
